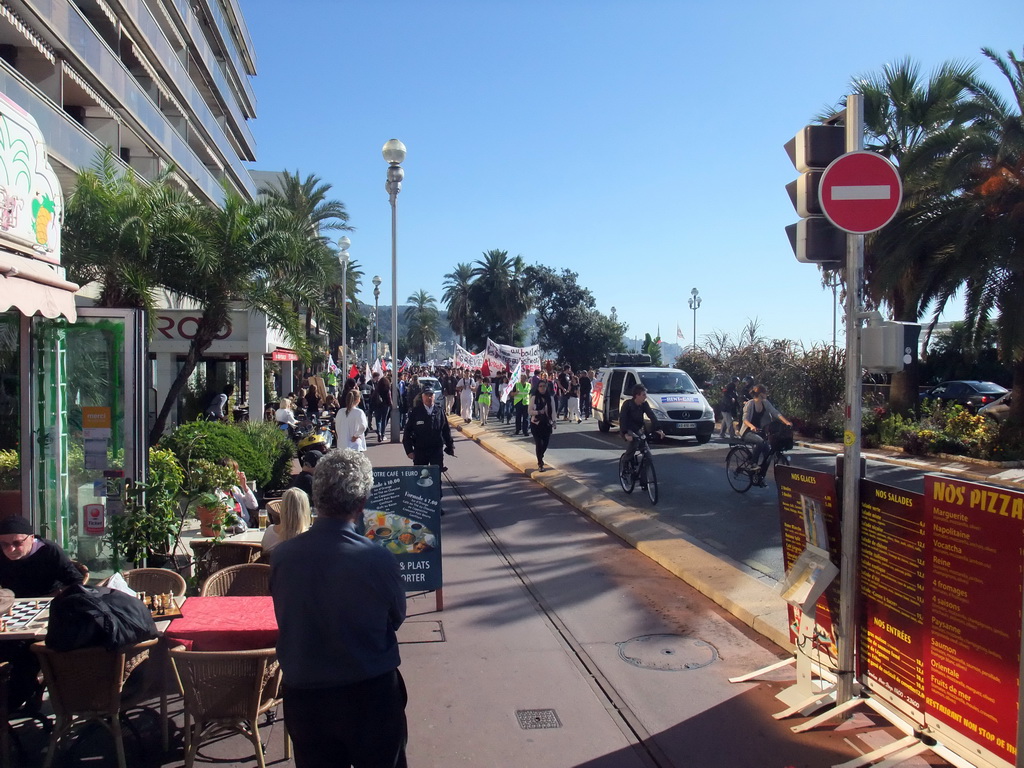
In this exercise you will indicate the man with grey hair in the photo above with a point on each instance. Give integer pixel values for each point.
(339, 599)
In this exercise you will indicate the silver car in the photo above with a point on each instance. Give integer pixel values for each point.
(997, 409)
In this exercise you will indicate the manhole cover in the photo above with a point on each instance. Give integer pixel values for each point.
(537, 718)
(670, 653)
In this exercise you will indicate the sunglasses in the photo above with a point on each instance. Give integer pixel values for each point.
(14, 544)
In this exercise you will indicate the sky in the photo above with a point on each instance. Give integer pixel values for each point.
(638, 143)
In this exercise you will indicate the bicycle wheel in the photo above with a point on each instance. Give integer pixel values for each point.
(738, 470)
(626, 479)
(649, 480)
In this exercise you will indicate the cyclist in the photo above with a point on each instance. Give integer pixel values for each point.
(758, 413)
(631, 418)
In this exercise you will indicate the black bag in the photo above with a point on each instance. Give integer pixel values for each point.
(780, 436)
(86, 617)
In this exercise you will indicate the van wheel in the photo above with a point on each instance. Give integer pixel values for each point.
(603, 425)
(701, 439)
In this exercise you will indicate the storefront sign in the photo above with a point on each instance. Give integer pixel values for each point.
(973, 597)
(403, 514)
(31, 201)
(284, 355)
(809, 514)
(176, 326)
(892, 593)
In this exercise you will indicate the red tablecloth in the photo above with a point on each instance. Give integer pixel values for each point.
(225, 624)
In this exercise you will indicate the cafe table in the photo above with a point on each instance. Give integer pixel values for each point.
(225, 624)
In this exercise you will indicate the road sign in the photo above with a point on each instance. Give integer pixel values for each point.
(860, 192)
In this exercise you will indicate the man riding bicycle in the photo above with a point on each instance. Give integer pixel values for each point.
(758, 413)
(631, 418)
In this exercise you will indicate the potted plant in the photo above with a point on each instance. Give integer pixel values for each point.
(149, 528)
(10, 483)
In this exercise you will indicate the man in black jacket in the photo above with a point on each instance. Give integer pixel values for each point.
(427, 434)
(631, 418)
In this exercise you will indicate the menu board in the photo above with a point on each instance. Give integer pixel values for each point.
(973, 596)
(403, 515)
(810, 515)
(892, 595)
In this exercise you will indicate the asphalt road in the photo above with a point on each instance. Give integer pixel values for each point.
(695, 496)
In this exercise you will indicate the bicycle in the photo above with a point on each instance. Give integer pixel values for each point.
(740, 468)
(641, 468)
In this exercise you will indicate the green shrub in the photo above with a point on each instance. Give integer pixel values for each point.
(893, 428)
(213, 441)
(10, 471)
(269, 440)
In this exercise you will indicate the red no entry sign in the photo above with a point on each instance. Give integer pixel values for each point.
(860, 192)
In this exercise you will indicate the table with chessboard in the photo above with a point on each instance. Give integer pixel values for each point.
(26, 620)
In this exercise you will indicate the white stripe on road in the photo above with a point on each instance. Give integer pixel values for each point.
(864, 192)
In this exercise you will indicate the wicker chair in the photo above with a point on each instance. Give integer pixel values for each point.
(155, 581)
(248, 580)
(86, 686)
(227, 691)
(212, 556)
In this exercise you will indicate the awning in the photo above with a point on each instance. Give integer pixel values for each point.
(80, 81)
(27, 32)
(34, 292)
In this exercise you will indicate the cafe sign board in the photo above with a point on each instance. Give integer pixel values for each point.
(403, 515)
(31, 201)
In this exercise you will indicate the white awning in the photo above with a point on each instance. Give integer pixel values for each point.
(35, 289)
(80, 81)
(37, 42)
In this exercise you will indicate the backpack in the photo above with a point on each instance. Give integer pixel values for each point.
(84, 617)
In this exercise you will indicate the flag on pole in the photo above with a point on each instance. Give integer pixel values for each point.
(376, 367)
(353, 372)
(332, 366)
(383, 365)
(405, 364)
(369, 373)
(679, 332)
(512, 379)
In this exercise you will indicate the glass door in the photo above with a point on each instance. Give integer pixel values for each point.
(101, 425)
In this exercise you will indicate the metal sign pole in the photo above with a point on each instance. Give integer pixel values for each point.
(846, 632)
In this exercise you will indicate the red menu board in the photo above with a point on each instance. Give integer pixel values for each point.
(892, 588)
(973, 596)
(809, 513)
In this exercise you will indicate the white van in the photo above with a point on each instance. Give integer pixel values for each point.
(676, 401)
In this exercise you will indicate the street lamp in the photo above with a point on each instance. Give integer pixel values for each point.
(694, 305)
(343, 244)
(394, 154)
(376, 305)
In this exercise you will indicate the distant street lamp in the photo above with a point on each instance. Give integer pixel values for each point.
(694, 305)
(343, 244)
(394, 154)
(376, 307)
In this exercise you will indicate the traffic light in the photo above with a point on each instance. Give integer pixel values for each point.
(814, 239)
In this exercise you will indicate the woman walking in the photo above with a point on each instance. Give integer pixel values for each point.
(542, 419)
(574, 400)
(351, 423)
(484, 399)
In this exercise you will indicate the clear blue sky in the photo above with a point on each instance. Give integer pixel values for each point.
(637, 143)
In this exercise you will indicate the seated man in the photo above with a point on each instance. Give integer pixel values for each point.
(29, 567)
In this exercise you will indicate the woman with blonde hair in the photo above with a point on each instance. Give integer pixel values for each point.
(350, 425)
(295, 519)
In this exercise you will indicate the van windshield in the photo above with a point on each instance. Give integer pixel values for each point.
(668, 382)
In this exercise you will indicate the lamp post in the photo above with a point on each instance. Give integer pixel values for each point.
(694, 305)
(343, 244)
(376, 307)
(394, 154)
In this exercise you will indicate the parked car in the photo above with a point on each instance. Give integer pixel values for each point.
(997, 409)
(970, 394)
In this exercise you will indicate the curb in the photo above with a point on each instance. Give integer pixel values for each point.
(751, 601)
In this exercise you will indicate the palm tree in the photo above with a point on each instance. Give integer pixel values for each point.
(307, 201)
(421, 317)
(248, 252)
(915, 123)
(456, 298)
(112, 235)
(981, 217)
(498, 296)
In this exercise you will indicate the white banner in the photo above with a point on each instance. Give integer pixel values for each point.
(466, 359)
(507, 357)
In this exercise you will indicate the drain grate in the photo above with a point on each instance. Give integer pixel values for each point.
(671, 653)
(537, 718)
